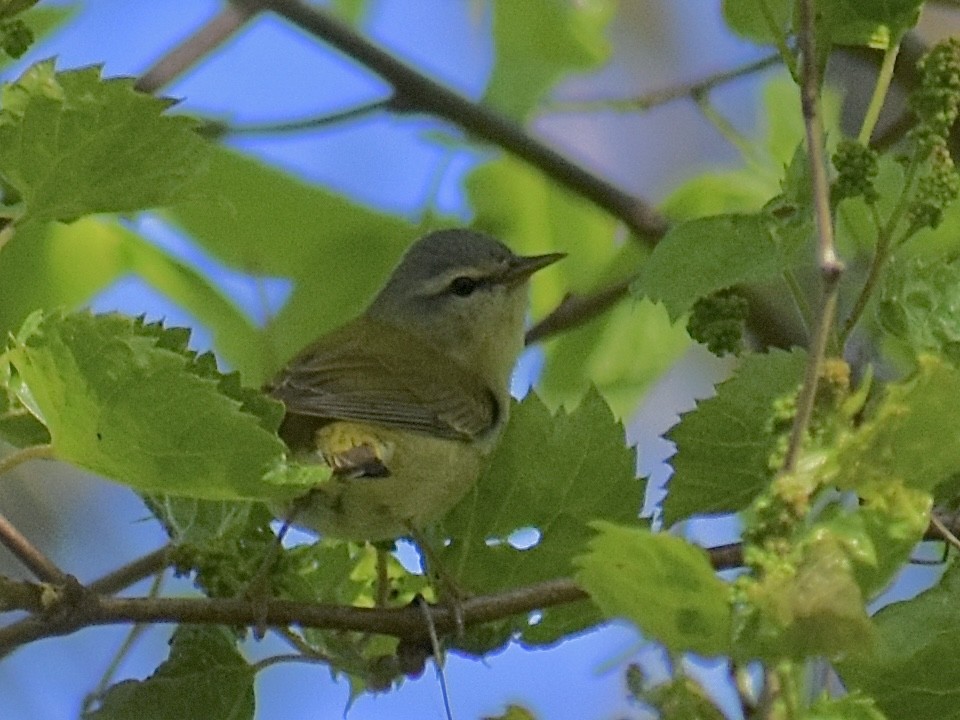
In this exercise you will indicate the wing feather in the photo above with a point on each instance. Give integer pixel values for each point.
(354, 373)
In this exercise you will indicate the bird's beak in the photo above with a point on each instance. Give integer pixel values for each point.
(521, 268)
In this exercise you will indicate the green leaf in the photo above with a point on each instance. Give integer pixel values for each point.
(881, 534)
(814, 607)
(204, 678)
(513, 712)
(127, 401)
(353, 11)
(724, 445)
(21, 429)
(912, 434)
(681, 697)
(191, 521)
(537, 42)
(531, 214)
(548, 480)
(917, 304)
(73, 144)
(911, 638)
(9, 8)
(348, 574)
(265, 222)
(49, 265)
(41, 21)
(872, 23)
(621, 354)
(699, 257)
(849, 707)
(662, 583)
(46, 266)
(719, 192)
(752, 18)
(18, 426)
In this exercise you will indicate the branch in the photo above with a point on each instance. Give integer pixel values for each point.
(133, 572)
(27, 553)
(216, 129)
(91, 609)
(18, 457)
(831, 267)
(38, 626)
(210, 36)
(406, 622)
(83, 607)
(575, 310)
(20, 595)
(692, 89)
(414, 92)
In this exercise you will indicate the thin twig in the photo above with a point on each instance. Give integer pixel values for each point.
(210, 36)
(29, 555)
(108, 675)
(132, 572)
(944, 530)
(300, 645)
(574, 310)
(660, 97)
(18, 457)
(437, 654)
(877, 266)
(288, 657)
(415, 92)
(311, 123)
(831, 267)
(880, 89)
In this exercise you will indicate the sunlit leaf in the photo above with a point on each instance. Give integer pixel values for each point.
(665, 585)
(128, 400)
(539, 41)
(73, 144)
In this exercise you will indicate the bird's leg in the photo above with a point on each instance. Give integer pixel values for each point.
(382, 590)
(256, 589)
(450, 590)
(437, 652)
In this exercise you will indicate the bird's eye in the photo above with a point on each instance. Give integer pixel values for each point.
(463, 286)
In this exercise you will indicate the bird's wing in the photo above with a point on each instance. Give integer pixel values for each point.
(371, 372)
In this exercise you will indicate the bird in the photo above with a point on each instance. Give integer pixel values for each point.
(406, 401)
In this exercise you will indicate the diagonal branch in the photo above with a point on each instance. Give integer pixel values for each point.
(125, 576)
(574, 310)
(693, 89)
(29, 554)
(414, 92)
(210, 36)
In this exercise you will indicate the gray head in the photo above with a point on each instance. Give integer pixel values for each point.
(463, 292)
